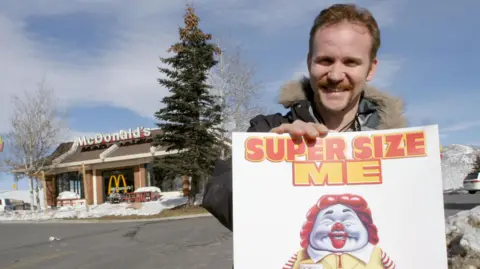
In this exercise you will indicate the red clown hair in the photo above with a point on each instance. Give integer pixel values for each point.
(355, 202)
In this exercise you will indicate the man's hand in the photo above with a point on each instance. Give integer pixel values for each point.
(298, 129)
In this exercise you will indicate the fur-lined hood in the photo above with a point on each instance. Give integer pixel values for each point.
(390, 109)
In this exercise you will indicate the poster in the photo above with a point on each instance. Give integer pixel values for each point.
(358, 200)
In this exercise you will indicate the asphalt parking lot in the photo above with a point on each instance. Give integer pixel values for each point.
(191, 243)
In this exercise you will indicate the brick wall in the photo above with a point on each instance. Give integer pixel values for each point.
(89, 180)
(51, 190)
(140, 176)
(99, 187)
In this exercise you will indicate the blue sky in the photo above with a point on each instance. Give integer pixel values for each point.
(101, 57)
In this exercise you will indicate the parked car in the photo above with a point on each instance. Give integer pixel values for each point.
(471, 183)
(6, 204)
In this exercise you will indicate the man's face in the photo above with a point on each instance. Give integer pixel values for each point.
(339, 65)
(338, 229)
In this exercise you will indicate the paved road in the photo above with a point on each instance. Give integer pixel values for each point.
(193, 243)
(458, 202)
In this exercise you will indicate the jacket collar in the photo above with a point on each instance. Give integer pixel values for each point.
(377, 110)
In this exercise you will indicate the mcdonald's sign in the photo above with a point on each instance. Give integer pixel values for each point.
(117, 179)
(1, 144)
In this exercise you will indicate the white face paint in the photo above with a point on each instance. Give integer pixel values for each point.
(338, 229)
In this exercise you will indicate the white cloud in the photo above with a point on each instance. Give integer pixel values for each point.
(461, 126)
(125, 73)
(277, 14)
(72, 135)
(452, 110)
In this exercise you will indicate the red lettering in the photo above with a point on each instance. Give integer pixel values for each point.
(275, 149)
(362, 148)
(415, 144)
(378, 146)
(394, 148)
(294, 149)
(315, 150)
(335, 149)
(254, 151)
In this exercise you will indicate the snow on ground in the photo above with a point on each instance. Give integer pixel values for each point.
(457, 162)
(68, 195)
(106, 209)
(466, 223)
(147, 189)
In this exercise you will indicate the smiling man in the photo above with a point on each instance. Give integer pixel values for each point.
(342, 58)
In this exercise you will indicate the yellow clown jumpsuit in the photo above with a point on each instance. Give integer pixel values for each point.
(378, 260)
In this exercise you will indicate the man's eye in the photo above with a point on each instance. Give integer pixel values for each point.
(351, 63)
(325, 61)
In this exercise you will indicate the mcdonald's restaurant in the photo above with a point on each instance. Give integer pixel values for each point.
(106, 163)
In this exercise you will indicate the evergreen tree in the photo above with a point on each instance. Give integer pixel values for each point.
(191, 119)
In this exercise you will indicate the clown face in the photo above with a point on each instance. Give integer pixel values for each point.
(338, 229)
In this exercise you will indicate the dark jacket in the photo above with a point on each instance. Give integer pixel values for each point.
(377, 111)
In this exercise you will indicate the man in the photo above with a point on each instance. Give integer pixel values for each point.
(343, 46)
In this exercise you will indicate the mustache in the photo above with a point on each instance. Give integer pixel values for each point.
(344, 85)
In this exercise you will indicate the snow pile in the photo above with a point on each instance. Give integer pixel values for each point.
(68, 195)
(23, 195)
(463, 239)
(98, 211)
(457, 162)
(147, 189)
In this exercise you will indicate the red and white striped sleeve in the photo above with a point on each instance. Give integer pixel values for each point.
(387, 262)
(291, 262)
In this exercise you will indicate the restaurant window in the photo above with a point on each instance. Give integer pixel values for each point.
(120, 181)
(72, 182)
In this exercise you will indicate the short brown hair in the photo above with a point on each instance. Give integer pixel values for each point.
(351, 13)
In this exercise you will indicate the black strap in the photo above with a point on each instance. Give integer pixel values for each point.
(354, 125)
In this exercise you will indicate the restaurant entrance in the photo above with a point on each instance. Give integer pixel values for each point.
(118, 181)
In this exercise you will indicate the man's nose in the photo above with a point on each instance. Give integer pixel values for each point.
(336, 73)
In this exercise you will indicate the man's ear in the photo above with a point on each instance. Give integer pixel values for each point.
(373, 69)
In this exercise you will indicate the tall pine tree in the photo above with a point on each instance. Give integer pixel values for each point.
(191, 119)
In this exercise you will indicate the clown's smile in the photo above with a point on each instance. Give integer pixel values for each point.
(338, 236)
(338, 239)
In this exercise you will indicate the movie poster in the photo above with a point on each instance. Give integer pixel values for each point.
(363, 200)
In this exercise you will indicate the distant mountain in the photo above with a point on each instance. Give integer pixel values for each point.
(456, 164)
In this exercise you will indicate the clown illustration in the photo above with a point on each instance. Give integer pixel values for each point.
(339, 234)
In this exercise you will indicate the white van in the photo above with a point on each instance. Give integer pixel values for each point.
(471, 183)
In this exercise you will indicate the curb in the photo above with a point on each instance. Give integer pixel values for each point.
(57, 221)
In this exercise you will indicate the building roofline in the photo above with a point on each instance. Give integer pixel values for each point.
(103, 156)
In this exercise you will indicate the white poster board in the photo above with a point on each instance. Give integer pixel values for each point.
(374, 200)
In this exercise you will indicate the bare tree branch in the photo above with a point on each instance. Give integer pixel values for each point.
(37, 127)
(233, 80)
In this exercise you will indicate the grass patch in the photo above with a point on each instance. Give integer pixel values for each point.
(173, 212)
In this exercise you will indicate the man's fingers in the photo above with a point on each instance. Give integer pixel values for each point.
(299, 129)
(278, 130)
(321, 129)
(311, 132)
